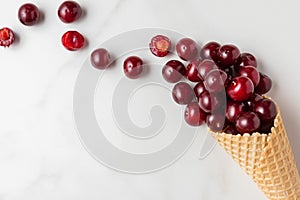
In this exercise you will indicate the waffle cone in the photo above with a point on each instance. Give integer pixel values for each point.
(267, 158)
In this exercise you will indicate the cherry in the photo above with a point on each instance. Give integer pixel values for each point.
(199, 88)
(231, 130)
(209, 102)
(173, 71)
(250, 103)
(216, 122)
(206, 66)
(69, 11)
(72, 40)
(209, 50)
(28, 14)
(100, 58)
(247, 122)
(193, 115)
(240, 88)
(264, 85)
(265, 109)
(233, 110)
(160, 45)
(245, 59)
(182, 93)
(7, 37)
(133, 67)
(250, 72)
(266, 126)
(187, 49)
(192, 72)
(227, 55)
(215, 80)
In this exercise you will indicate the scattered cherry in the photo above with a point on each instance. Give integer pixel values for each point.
(205, 67)
(199, 88)
(247, 122)
(160, 45)
(7, 37)
(265, 109)
(69, 11)
(182, 93)
(245, 59)
(173, 71)
(192, 72)
(133, 67)
(72, 40)
(187, 49)
(264, 85)
(29, 14)
(210, 50)
(240, 88)
(227, 55)
(234, 109)
(193, 115)
(215, 80)
(250, 72)
(100, 58)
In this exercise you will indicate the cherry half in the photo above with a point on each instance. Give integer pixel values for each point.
(7, 37)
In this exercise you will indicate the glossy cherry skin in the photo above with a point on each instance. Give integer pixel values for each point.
(28, 14)
(227, 55)
(247, 122)
(199, 88)
(72, 40)
(193, 115)
(216, 122)
(7, 37)
(187, 49)
(250, 103)
(160, 45)
(173, 71)
(69, 11)
(265, 109)
(133, 67)
(240, 88)
(183, 93)
(234, 110)
(100, 58)
(205, 67)
(246, 59)
(264, 85)
(250, 72)
(231, 129)
(215, 80)
(210, 102)
(210, 50)
(192, 71)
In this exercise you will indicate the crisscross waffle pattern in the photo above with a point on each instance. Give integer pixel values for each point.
(267, 159)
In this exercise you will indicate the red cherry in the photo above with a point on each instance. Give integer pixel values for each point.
(245, 59)
(199, 88)
(187, 49)
(265, 109)
(7, 37)
(173, 71)
(28, 14)
(100, 58)
(192, 72)
(216, 122)
(69, 11)
(210, 50)
(215, 80)
(160, 45)
(247, 122)
(182, 93)
(210, 102)
(72, 40)
(264, 85)
(133, 67)
(228, 55)
(193, 115)
(205, 67)
(233, 110)
(240, 88)
(250, 103)
(250, 72)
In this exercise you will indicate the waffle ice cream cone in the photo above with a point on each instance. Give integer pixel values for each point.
(267, 158)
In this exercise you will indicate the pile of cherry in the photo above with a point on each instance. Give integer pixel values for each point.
(225, 89)
(29, 15)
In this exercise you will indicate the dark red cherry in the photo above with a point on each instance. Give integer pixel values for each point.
(210, 102)
(233, 110)
(216, 122)
(231, 130)
(264, 85)
(199, 88)
(265, 109)
(28, 14)
(182, 93)
(192, 72)
(187, 49)
(250, 72)
(133, 67)
(250, 103)
(193, 115)
(100, 58)
(247, 122)
(240, 88)
(160, 45)
(265, 127)
(215, 80)
(228, 55)
(209, 50)
(173, 71)
(245, 59)
(69, 11)
(206, 66)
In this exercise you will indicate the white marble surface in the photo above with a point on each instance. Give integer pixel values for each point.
(41, 156)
